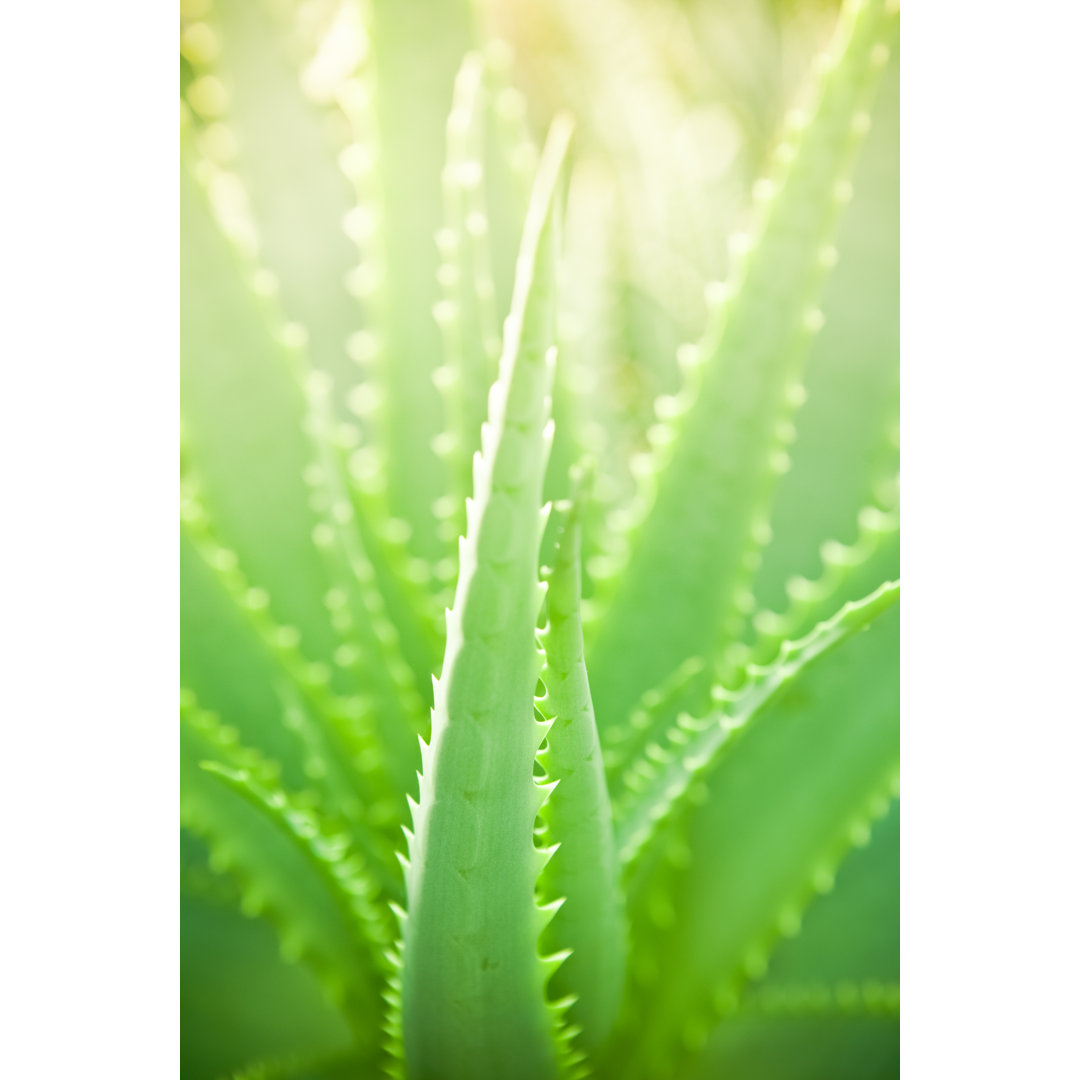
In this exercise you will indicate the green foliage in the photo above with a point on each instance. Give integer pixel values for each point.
(613, 816)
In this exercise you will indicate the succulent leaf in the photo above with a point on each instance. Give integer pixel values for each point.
(243, 415)
(697, 548)
(697, 744)
(851, 933)
(308, 884)
(274, 135)
(348, 722)
(846, 454)
(763, 835)
(363, 644)
(466, 312)
(413, 78)
(585, 870)
(849, 571)
(332, 772)
(473, 982)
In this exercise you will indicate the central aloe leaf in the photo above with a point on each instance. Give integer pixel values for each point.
(473, 981)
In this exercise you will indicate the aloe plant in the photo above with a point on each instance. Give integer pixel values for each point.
(518, 762)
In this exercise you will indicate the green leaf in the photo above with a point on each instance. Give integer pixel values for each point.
(584, 872)
(417, 48)
(632, 748)
(226, 665)
(306, 883)
(360, 613)
(853, 932)
(473, 981)
(332, 772)
(282, 143)
(697, 745)
(281, 109)
(695, 551)
(846, 453)
(271, 483)
(848, 571)
(348, 723)
(466, 312)
(243, 415)
(764, 834)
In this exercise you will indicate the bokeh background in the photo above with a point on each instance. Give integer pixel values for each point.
(678, 103)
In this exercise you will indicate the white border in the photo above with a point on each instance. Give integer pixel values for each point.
(88, 601)
(991, 354)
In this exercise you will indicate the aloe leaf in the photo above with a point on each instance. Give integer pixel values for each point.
(251, 474)
(279, 142)
(848, 571)
(305, 118)
(846, 442)
(331, 771)
(584, 872)
(307, 884)
(301, 120)
(486, 180)
(417, 47)
(348, 721)
(852, 933)
(342, 875)
(368, 552)
(253, 603)
(243, 416)
(236, 654)
(371, 551)
(764, 834)
(226, 665)
(473, 981)
(633, 748)
(466, 311)
(697, 547)
(841, 968)
(251, 671)
(373, 645)
(696, 744)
